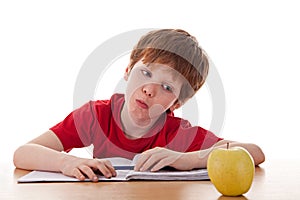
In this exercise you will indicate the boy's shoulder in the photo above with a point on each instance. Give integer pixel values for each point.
(174, 121)
(107, 106)
(114, 99)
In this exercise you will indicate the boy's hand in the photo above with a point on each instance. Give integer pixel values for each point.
(157, 158)
(82, 167)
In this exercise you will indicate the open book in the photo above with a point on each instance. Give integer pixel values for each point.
(125, 172)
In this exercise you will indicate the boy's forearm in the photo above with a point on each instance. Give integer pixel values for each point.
(254, 150)
(199, 158)
(38, 157)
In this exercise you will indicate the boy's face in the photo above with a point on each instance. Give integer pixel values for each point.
(151, 90)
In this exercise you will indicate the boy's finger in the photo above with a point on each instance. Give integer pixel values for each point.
(111, 168)
(153, 161)
(105, 170)
(161, 164)
(105, 167)
(141, 161)
(77, 174)
(89, 172)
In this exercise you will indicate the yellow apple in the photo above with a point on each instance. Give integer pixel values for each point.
(231, 170)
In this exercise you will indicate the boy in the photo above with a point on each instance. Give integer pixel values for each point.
(166, 68)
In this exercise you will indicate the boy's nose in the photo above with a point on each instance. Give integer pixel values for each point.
(149, 89)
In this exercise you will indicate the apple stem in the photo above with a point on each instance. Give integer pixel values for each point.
(227, 145)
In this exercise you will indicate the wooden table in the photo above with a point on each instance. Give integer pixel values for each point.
(273, 180)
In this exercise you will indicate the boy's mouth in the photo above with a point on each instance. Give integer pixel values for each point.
(141, 104)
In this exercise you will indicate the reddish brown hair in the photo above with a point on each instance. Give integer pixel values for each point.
(177, 49)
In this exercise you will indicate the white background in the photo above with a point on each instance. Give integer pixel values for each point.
(253, 44)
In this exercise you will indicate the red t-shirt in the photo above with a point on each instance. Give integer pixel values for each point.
(98, 123)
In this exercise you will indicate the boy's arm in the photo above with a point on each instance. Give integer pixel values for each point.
(40, 153)
(254, 150)
(45, 153)
(157, 158)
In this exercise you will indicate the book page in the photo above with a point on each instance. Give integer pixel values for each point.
(124, 169)
(122, 166)
(118, 161)
(197, 174)
(43, 176)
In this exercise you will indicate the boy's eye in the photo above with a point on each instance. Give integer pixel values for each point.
(146, 73)
(167, 87)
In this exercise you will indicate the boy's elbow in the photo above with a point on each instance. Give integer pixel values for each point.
(259, 156)
(18, 157)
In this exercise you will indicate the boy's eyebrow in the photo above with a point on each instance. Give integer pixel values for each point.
(174, 73)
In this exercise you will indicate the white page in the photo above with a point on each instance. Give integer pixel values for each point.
(118, 161)
(197, 174)
(43, 176)
(122, 175)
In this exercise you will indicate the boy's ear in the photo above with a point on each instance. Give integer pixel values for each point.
(126, 74)
(175, 106)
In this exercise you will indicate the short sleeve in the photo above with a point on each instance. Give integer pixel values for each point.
(187, 138)
(75, 130)
(204, 139)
